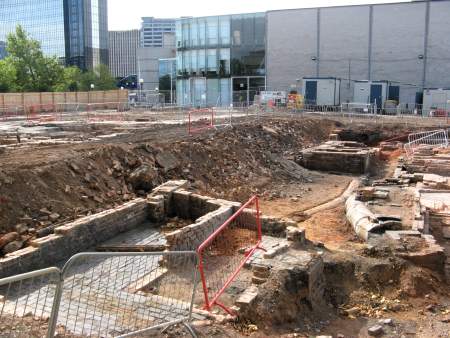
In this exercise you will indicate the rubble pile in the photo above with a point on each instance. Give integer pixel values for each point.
(231, 163)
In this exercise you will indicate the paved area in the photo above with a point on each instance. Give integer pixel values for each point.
(103, 294)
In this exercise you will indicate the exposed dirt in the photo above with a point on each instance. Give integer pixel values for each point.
(42, 186)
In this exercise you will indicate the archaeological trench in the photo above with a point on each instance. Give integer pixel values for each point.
(394, 210)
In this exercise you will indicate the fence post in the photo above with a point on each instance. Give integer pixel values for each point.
(55, 308)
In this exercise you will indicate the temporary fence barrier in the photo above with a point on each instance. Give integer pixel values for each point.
(200, 119)
(26, 302)
(102, 294)
(223, 254)
(10, 112)
(101, 112)
(359, 108)
(436, 138)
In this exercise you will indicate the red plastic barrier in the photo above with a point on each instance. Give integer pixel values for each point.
(223, 254)
(206, 120)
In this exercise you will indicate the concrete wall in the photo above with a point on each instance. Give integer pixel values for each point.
(291, 43)
(438, 65)
(353, 44)
(147, 64)
(383, 42)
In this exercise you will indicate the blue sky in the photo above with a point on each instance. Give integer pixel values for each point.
(126, 14)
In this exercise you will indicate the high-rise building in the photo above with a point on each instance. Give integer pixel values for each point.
(153, 29)
(75, 31)
(123, 46)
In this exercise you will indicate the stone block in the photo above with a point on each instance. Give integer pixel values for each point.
(258, 280)
(156, 208)
(271, 253)
(295, 234)
(446, 232)
(181, 204)
(248, 297)
(261, 271)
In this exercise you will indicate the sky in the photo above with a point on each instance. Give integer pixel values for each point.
(126, 14)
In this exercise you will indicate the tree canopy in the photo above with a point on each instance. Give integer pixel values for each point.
(27, 69)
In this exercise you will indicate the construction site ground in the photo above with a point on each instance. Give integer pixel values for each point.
(60, 173)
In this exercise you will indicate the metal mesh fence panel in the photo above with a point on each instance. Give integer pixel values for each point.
(437, 138)
(120, 294)
(199, 120)
(223, 254)
(26, 302)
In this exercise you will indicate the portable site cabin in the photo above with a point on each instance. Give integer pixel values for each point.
(322, 91)
(375, 92)
(436, 99)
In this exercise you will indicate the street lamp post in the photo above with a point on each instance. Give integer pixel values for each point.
(141, 84)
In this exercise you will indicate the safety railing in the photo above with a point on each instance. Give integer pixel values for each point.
(223, 254)
(435, 138)
(101, 294)
(200, 120)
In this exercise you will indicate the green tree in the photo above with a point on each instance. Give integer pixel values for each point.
(7, 76)
(34, 71)
(70, 80)
(100, 77)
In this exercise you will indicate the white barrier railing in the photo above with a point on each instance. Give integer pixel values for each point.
(435, 138)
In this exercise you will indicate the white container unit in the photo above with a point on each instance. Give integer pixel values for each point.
(436, 99)
(322, 91)
(374, 92)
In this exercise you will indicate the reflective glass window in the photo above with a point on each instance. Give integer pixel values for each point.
(225, 97)
(185, 28)
(202, 32)
(201, 60)
(212, 31)
(178, 34)
(194, 33)
(212, 60)
(224, 61)
(224, 30)
(194, 67)
(212, 95)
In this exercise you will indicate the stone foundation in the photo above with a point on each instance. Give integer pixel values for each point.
(168, 200)
(74, 237)
(340, 156)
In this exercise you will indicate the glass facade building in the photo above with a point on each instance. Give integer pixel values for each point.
(153, 29)
(75, 31)
(220, 59)
(167, 78)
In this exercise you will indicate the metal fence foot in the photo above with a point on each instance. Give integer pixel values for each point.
(187, 326)
(190, 329)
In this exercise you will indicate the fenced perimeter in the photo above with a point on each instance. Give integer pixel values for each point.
(436, 138)
(101, 294)
(200, 119)
(223, 254)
